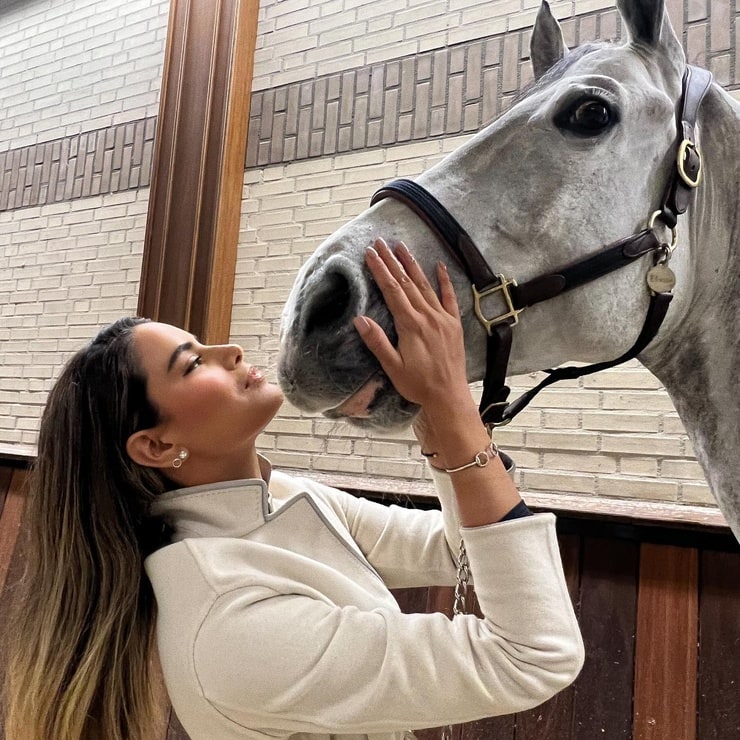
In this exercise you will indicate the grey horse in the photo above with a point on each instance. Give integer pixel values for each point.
(579, 161)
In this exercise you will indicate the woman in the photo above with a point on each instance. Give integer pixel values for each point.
(274, 618)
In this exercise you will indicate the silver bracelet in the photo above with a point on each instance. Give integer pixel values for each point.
(480, 461)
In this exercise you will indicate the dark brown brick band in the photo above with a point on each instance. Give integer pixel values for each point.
(93, 163)
(448, 91)
(444, 92)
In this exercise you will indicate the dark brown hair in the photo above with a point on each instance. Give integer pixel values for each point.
(81, 655)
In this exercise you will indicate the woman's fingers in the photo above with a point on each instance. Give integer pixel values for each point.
(424, 324)
(378, 343)
(407, 273)
(424, 292)
(390, 277)
(448, 297)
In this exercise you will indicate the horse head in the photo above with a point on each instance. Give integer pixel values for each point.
(581, 159)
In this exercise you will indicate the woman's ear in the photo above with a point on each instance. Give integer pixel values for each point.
(147, 449)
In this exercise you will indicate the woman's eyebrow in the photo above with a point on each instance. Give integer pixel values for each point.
(178, 351)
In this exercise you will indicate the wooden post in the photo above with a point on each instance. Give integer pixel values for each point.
(198, 169)
(666, 640)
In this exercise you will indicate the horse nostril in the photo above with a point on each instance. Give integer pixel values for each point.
(328, 302)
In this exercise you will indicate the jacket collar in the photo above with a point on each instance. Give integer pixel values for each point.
(224, 509)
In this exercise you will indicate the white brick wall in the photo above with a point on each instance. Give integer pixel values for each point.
(65, 270)
(302, 39)
(68, 66)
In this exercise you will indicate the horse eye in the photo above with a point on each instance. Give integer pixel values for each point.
(586, 118)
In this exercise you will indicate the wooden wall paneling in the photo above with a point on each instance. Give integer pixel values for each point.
(439, 733)
(192, 228)
(666, 644)
(10, 521)
(492, 728)
(607, 613)
(411, 600)
(441, 599)
(719, 646)
(6, 473)
(12, 561)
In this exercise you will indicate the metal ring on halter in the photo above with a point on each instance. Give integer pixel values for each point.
(674, 231)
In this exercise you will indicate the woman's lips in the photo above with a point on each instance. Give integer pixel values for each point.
(254, 376)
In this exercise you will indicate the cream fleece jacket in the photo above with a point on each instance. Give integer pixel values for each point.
(275, 619)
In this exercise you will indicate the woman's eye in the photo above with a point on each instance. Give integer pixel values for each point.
(586, 117)
(197, 360)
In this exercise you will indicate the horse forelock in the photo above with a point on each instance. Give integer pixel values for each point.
(559, 69)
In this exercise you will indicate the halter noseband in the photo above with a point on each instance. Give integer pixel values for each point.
(494, 409)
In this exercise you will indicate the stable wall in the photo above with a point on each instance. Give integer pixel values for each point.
(79, 89)
(348, 95)
(79, 92)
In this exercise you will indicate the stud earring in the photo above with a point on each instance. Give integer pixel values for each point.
(180, 459)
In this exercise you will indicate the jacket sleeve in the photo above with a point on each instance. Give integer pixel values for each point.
(408, 547)
(302, 664)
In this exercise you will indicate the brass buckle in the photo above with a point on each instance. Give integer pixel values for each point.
(684, 147)
(491, 425)
(502, 288)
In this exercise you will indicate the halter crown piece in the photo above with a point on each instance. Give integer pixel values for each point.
(494, 409)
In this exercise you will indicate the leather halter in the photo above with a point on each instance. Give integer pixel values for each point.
(495, 410)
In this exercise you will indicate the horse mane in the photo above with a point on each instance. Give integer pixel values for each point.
(558, 69)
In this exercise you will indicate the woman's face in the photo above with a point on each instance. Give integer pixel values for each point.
(210, 401)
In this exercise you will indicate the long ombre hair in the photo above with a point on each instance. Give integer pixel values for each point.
(81, 664)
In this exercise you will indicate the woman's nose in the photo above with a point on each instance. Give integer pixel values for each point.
(235, 354)
(231, 355)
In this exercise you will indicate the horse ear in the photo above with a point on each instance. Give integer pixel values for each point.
(644, 19)
(547, 45)
(648, 23)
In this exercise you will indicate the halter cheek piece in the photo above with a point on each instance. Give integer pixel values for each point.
(495, 410)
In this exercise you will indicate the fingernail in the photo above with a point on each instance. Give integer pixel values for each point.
(406, 252)
(361, 324)
(370, 252)
(380, 242)
(442, 265)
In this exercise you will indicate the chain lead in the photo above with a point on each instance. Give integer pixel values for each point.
(463, 578)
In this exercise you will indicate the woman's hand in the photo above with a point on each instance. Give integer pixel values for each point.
(428, 365)
(428, 368)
